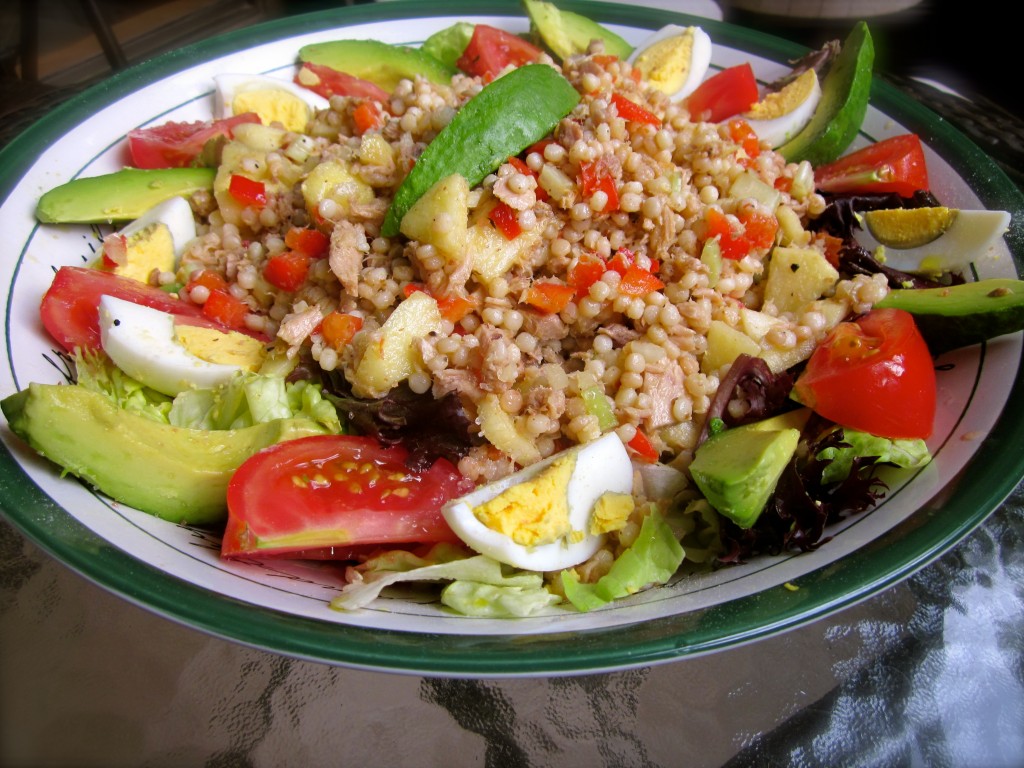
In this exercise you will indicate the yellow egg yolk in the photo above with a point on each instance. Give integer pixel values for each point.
(666, 63)
(273, 105)
(535, 511)
(611, 512)
(213, 346)
(784, 101)
(148, 249)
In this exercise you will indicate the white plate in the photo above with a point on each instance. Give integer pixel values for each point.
(283, 606)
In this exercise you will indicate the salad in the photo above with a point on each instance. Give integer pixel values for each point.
(547, 322)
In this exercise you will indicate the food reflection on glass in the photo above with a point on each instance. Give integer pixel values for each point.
(548, 320)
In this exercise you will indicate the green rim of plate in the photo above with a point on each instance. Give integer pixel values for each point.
(967, 500)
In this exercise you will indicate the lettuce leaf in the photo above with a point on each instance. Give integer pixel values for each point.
(651, 559)
(482, 586)
(98, 374)
(253, 398)
(908, 454)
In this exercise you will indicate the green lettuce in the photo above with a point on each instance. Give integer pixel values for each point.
(481, 586)
(98, 374)
(908, 454)
(651, 559)
(253, 398)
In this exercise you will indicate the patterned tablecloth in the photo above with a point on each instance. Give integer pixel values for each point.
(929, 672)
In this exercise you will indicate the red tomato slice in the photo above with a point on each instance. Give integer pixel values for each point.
(329, 82)
(336, 491)
(728, 93)
(179, 145)
(892, 165)
(875, 375)
(490, 50)
(70, 307)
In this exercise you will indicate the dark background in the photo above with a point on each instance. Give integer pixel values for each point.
(52, 48)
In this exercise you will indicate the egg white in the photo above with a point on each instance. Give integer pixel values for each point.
(228, 86)
(141, 342)
(700, 55)
(601, 466)
(778, 130)
(969, 238)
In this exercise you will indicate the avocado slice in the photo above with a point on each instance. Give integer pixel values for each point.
(508, 115)
(843, 104)
(737, 470)
(378, 62)
(120, 196)
(566, 33)
(961, 315)
(176, 474)
(450, 43)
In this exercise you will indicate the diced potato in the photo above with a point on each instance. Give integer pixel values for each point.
(501, 430)
(332, 179)
(375, 150)
(493, 254)
(260, 137)
(780, 359)
(725, 344)
(796, 277)
(389, 354)
(441, 218)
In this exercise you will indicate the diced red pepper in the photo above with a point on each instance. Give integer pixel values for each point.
(367, 116)
(453, 307)
(338, 328)
(287, 270)
(758, 232)
(549, 296)
(741, 132)
(584, 273)
(248, 191)
(311, 242)
(643, 447)
(225, 309)
(594, 177)
(639, 282)
(633, 112)
(506, 220)
(521, 166)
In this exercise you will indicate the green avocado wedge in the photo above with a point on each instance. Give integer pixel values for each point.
(378, 62)
(176, 474)
(961, 315)
(844, 102)
(566, 33)
(448, 44)
(120, 196)
(508, 115)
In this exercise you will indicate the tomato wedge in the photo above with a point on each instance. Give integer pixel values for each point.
(328, 82)
(490, 50)
(70, 307)
(179, 145)
(730, 92)
(895, 165)
(336, 491)
(875, 375)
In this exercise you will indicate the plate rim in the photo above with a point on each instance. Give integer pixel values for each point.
(852, 579)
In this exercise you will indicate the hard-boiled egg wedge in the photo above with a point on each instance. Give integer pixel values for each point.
(143, 343)
(155, 240)
(273, 99)
(781, 115)
(674, 59)
(931, 240)
(553, 514)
